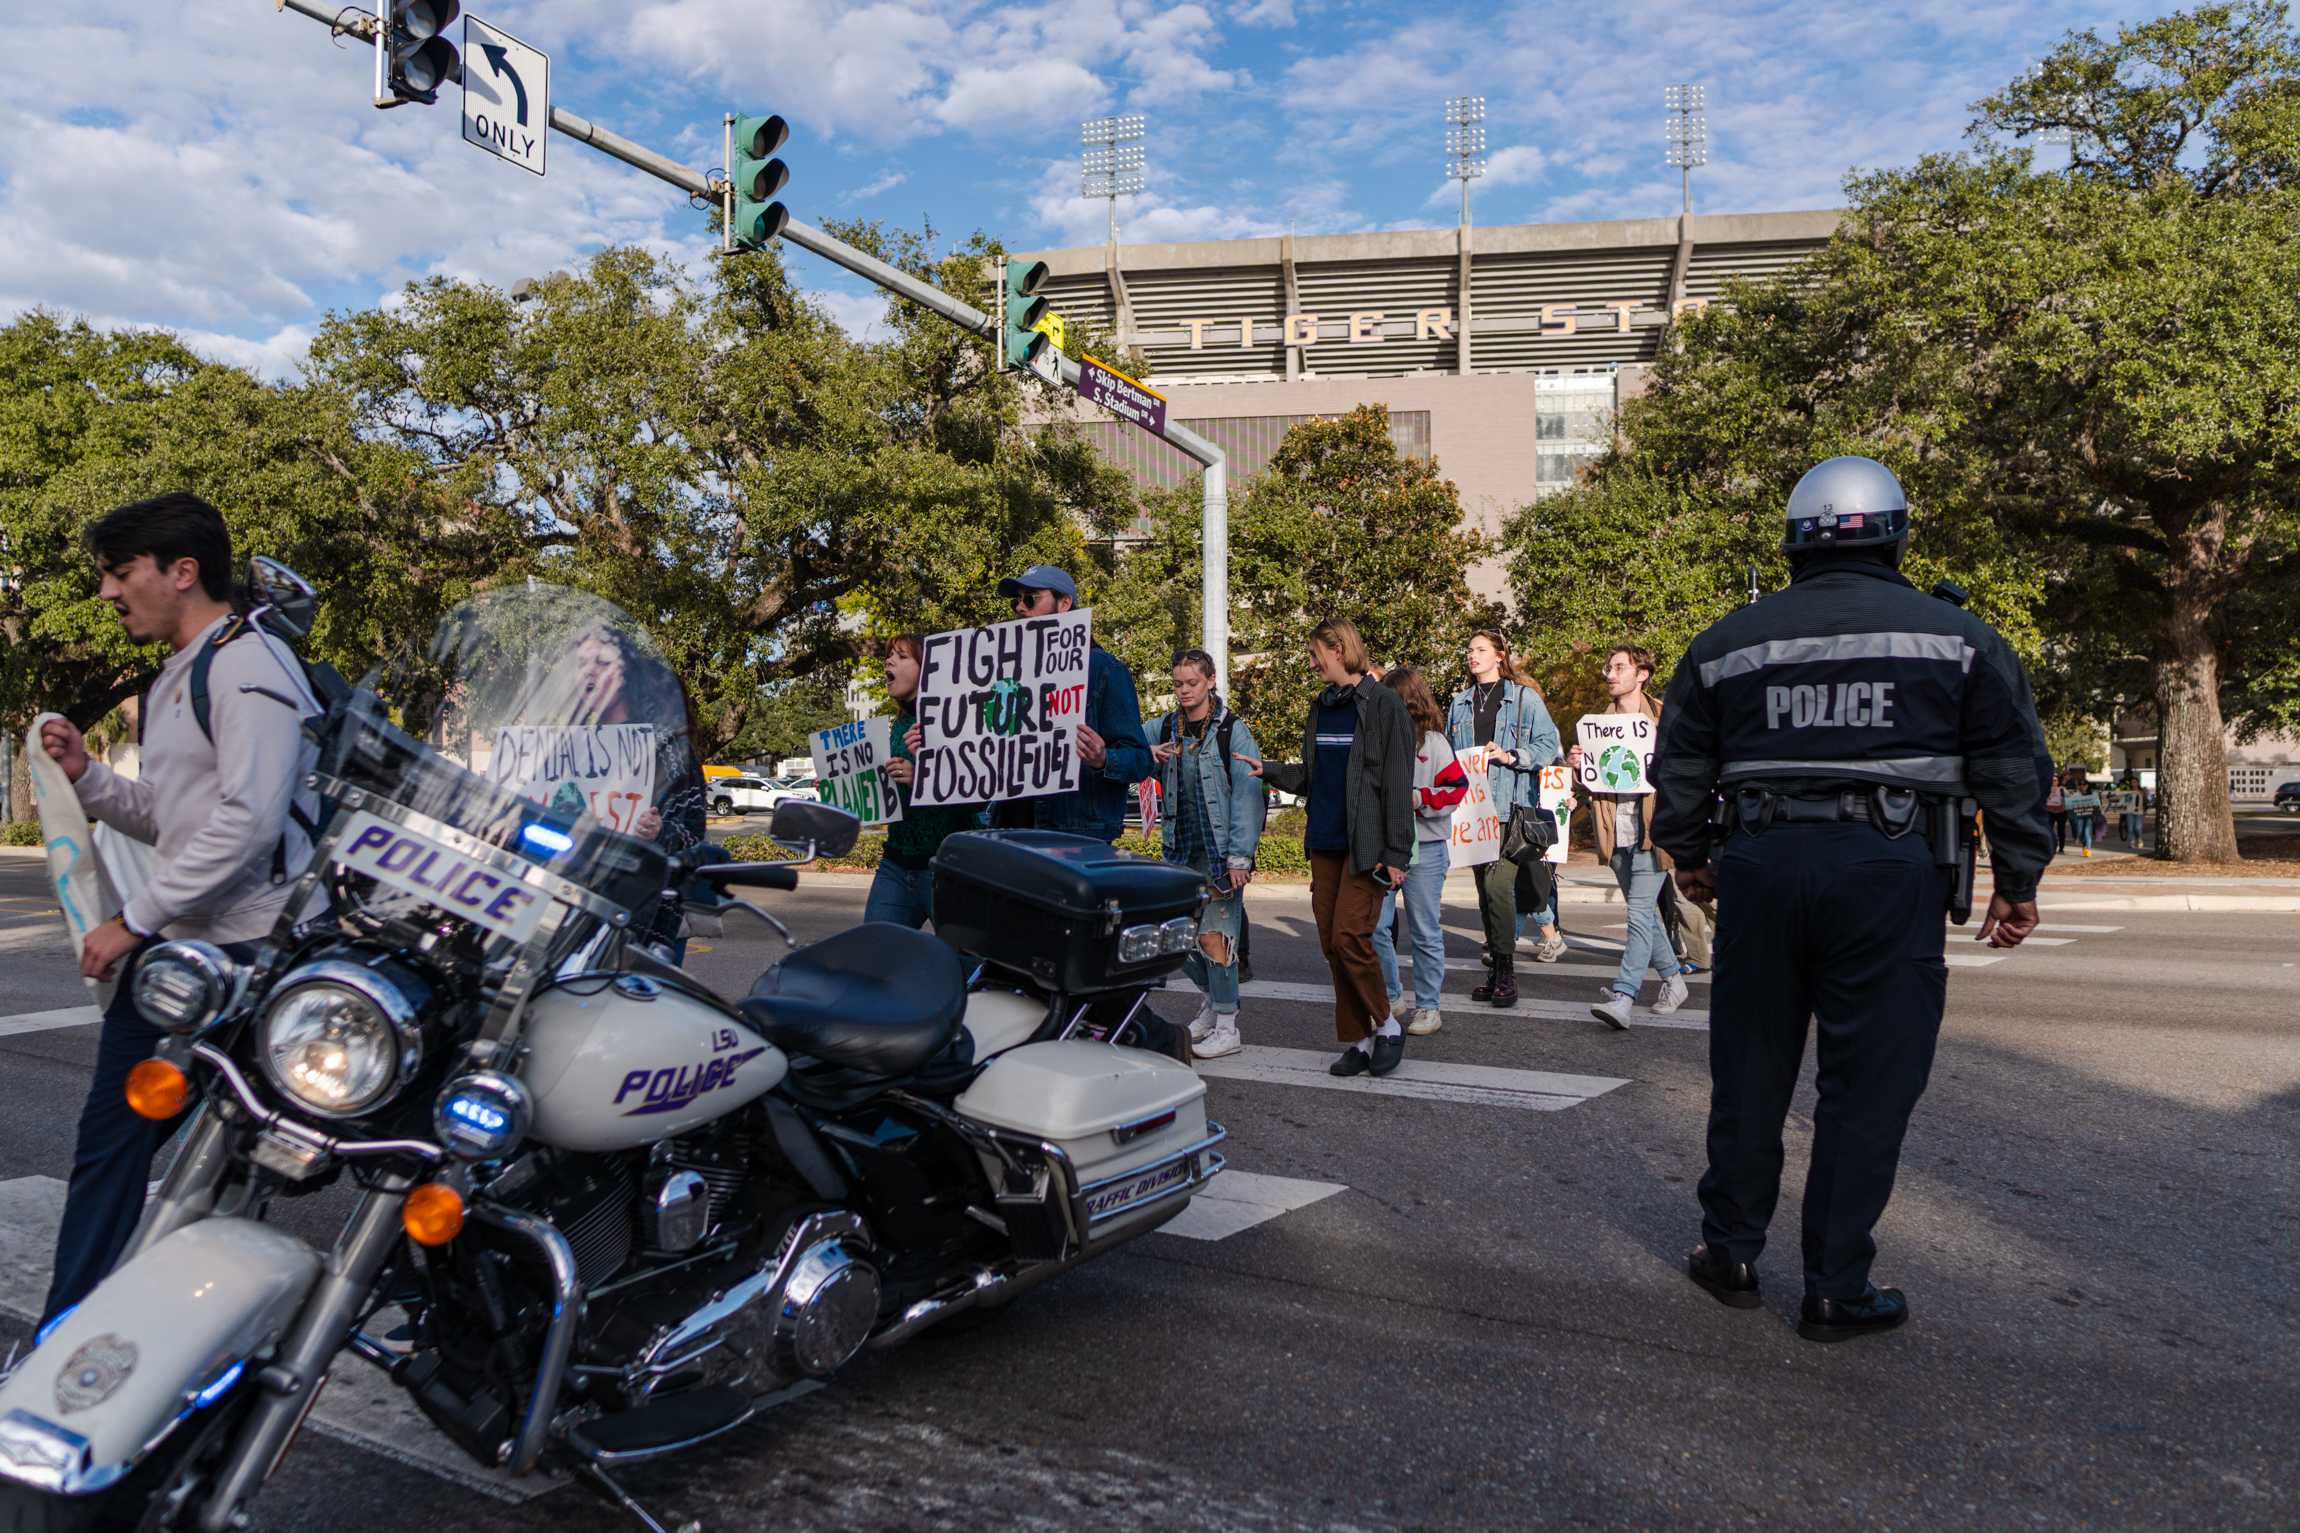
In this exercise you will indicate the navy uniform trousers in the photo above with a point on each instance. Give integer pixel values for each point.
(1840, 923)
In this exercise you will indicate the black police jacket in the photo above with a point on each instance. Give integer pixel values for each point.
(1849, 677)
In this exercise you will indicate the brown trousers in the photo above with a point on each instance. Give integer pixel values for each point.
(1345, 905)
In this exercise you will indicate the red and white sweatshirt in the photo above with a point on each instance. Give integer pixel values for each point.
(1439, 784)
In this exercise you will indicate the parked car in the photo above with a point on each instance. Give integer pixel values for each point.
(2288, 797)
(741, 795)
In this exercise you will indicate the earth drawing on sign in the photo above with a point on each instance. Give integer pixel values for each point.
(1617, 768)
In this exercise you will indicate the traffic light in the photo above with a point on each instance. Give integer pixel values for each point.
(759, 179)
(1025, 309)
(420, 57)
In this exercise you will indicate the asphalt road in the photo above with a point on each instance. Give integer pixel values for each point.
(1486, 1325)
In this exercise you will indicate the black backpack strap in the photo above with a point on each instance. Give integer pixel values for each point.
(202, 663)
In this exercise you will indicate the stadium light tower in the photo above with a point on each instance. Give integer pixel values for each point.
(1110, 162)
(1685, 128)
(1465, 144)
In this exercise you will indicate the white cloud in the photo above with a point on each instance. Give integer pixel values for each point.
(885, 181)
(1029, 95)
(860, 315)
(1267, 13)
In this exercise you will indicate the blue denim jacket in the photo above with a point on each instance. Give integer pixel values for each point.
(1234, 799)
(1098, 807)
(1524, 726)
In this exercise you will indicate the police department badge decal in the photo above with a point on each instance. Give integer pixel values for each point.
(90, 1375)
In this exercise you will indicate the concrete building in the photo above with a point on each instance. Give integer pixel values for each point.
(1503, 352)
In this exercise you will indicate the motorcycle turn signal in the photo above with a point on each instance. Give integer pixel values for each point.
(157, 1090)
(432, 1214)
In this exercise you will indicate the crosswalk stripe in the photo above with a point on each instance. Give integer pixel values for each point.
(2071, 926)
(1430, 1080)
(42, 1021)
(1238, 1200)
(1687, 1018)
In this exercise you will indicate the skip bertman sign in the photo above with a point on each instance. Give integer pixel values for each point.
(1364, 327)
(1099, 383)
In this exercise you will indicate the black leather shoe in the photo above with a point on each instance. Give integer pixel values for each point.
(1354, 1061)
(1730, 1283)
(1388, 1051)
(1880, 1309)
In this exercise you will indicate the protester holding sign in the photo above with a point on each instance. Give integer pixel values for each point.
(1357, 773)
(1031, 717)
(902, 890)
(1613, 759)
(1213, 822)
(2083, 809)
(1439, 786)
(1499, 709)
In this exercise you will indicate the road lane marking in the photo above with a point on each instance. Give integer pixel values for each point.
(1429, 1080)
(1688, 1019)
(1238, 1200)
(2071, 926)
(42, 1021)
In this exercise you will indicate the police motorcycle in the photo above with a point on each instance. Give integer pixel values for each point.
(601, 1212)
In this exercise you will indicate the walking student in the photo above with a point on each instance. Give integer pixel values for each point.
(902, 890)
(1357, 773)
(1439, 785)
(2083, 806)
(1625, 841)
(1499, 709)
(216, 795)
(1212, 822)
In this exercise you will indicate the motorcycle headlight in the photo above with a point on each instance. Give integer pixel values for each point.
(181, 987)
(340, 1038)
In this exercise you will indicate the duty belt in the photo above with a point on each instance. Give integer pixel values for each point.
(1891, 810)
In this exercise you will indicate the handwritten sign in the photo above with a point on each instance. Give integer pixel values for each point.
(1556, 788)
(850, 770)
(1616, 752)
(1475, 839)
(999, 710)
(2124, 803)
(604, 770)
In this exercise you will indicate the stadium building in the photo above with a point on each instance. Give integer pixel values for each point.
(1502, 352)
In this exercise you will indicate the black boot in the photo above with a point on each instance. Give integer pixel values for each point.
(1880, 1309)
(1504, 991)
(1484, 993)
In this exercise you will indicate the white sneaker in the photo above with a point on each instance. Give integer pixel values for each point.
(1203, 1023)
(1426, 1021)
(1615, 1013)
(1550, 950)
(1673, 993)
(1401, 1007)
(1222, 1040)
(1608, 993)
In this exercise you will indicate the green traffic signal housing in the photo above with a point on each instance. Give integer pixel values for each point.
(759, 179)
(422, 59)
(1024, 309)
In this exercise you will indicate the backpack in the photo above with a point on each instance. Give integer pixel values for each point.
(1226, 729)
(203, 714)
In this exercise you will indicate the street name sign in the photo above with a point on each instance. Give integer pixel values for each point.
(1121, 396)
(506, 95)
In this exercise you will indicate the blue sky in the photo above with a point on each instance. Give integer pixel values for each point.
(213, 166)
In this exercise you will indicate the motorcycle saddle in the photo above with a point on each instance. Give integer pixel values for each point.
(878, 999)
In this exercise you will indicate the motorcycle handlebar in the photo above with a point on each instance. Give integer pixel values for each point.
(763, 875)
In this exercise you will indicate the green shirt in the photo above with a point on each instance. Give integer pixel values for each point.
(913, 840)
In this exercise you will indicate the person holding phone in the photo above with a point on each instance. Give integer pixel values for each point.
(1204, 758)
(1357, 774)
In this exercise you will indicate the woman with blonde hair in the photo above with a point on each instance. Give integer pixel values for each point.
(1357, 774)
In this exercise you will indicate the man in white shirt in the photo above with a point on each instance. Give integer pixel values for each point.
(216, 795)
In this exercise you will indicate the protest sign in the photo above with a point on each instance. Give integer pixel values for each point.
(606, 770)
(1556, 786)
(1475, 838)
(2124, 803)
(850, 770)
(1616, 752)
(999, 710)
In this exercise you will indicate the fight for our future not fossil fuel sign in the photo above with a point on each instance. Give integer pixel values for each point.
(999, 710)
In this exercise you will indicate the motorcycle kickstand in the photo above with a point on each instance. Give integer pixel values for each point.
(623, 1498)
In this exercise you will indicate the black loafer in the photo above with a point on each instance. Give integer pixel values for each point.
(1388, 1051)
(1354, 1061)
(1730, 1283)
(1880, 1309)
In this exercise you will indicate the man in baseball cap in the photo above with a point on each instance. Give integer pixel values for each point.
(1112, 750)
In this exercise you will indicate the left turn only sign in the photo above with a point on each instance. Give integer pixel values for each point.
(506, 95)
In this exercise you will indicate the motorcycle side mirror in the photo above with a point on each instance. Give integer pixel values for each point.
(831, 831)
(288, 594)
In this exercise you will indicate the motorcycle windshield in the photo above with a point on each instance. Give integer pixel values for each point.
(540, 721)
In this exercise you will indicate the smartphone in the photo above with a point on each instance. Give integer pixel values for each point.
(1389, 878)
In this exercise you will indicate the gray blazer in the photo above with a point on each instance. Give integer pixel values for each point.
(1380, 812)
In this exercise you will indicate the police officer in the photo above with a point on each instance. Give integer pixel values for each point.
(1842, 722)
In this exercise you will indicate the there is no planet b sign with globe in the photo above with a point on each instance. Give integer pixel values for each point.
(1616, 752)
